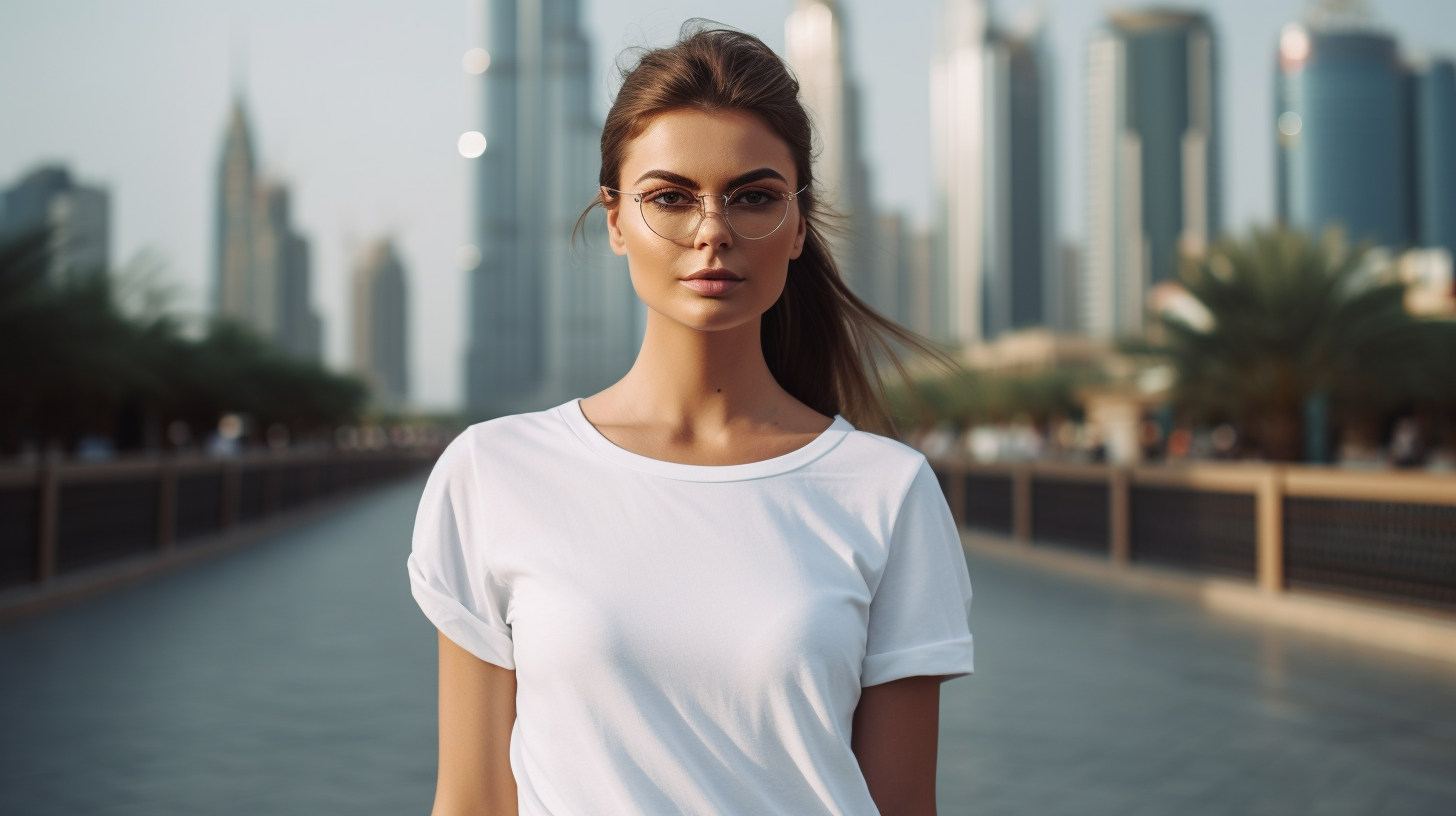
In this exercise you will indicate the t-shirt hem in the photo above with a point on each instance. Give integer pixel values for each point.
(948, 658)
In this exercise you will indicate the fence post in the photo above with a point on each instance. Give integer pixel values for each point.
(232, 490)
(45, 540)
(1021, 503)
(166, 505)
(1269, 514)
(1119, 514)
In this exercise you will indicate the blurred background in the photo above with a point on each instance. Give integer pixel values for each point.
(260, 261)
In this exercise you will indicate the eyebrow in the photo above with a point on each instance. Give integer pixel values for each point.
(738, 181)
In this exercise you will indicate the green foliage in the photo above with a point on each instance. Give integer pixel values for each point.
(71, 363)
(1287, 317)
(972, 398)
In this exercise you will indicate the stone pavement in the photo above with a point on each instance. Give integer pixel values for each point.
(296, 676)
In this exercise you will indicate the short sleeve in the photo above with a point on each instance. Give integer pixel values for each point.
(448, 570)
(917, 620)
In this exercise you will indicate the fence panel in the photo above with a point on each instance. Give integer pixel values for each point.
(1198, 529)
(1389, 549)
(105, 520)
(252, 494)
(987, 502)
(199, 505)
(19, 526)
(1071, 513)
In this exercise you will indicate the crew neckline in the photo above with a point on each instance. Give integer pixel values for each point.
(827, 439)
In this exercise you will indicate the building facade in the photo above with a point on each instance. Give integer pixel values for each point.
(77, 215)
(1153, 161)
(550, 318)
(1343, 126)
(262, 267)
(380, 329)
(994, 155)
(1435, 153)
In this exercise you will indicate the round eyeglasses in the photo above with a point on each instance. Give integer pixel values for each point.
(752, 212)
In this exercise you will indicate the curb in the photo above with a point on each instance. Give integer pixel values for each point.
(1410, 631)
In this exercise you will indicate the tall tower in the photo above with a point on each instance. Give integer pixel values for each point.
(1343, 128)
(1435, 137)
(1154, 191)
(263, 278)
(818, 53)
(994, 159)
(381, 324)
(549, 320)
(236, 176)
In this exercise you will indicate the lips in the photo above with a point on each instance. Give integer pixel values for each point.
(712, 282)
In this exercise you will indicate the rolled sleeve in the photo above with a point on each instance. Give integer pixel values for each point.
(918, 613)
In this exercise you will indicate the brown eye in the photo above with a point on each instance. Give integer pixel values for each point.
(752, 198)
(670, 199)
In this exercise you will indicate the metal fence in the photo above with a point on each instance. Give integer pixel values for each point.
(59, 518)
(1390, 535)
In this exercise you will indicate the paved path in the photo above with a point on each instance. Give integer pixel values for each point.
(296, 677)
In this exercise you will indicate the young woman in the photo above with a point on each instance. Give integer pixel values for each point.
(701, 591)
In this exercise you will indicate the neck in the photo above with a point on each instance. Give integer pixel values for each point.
(691, 378)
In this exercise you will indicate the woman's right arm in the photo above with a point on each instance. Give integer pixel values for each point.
(477, 712)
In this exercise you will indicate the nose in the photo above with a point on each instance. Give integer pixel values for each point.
(713, 231)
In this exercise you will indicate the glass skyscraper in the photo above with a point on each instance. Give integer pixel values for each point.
(1343, 125)
(548, 320)
(1435, 149)
(1153, 160)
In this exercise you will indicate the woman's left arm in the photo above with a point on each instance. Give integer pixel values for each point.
(896, 726)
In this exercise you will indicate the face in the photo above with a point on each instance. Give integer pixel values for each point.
(712, 278)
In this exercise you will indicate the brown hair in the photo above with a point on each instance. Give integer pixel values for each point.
(821, 342)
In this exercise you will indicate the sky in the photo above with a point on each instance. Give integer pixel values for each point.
(358, 105)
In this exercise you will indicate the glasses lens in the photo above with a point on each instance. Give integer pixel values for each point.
(755, 213)
(672, 214)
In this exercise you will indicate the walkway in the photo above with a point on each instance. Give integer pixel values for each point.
(296, 676)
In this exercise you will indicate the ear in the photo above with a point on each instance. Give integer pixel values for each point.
(800, 234)
(614, 230)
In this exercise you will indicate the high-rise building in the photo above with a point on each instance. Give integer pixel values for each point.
(78, 217)
(1154, 190)
(993, 136)
(818, 52)
(262, 264)
(381, 324)
(549, 319)
(1344, 155)
(1435, 153)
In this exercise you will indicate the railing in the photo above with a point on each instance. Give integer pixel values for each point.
(1384, 534)
(58, 518)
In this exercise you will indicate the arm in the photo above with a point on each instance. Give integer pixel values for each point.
(896, 726)
(477, 712)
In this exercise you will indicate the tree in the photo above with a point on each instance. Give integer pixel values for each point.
(1280, 317)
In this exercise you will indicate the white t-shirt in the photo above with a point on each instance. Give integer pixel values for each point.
(689, 640)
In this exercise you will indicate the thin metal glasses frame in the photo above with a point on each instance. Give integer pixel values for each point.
(703, 210)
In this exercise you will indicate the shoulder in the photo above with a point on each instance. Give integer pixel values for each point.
(503, 443)
(888, 461)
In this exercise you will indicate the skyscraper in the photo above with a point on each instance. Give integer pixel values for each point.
(1344, 152)
(1154, 191)
(1435, 149)
(549, 320)
(78, 217)
(993, 135)
(262, 265)
(819, 55)
(381, 324)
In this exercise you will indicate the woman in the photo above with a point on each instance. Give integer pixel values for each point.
(700, 591)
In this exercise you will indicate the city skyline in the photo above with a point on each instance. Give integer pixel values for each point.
(147, 132)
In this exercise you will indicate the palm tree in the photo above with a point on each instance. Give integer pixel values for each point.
(1284, 317)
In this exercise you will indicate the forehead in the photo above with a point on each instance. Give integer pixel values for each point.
(709, 148)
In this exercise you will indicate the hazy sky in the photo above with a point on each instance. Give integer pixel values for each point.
(358, 106)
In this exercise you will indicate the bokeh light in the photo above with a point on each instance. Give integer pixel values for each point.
(476, 61)
(472, 144)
